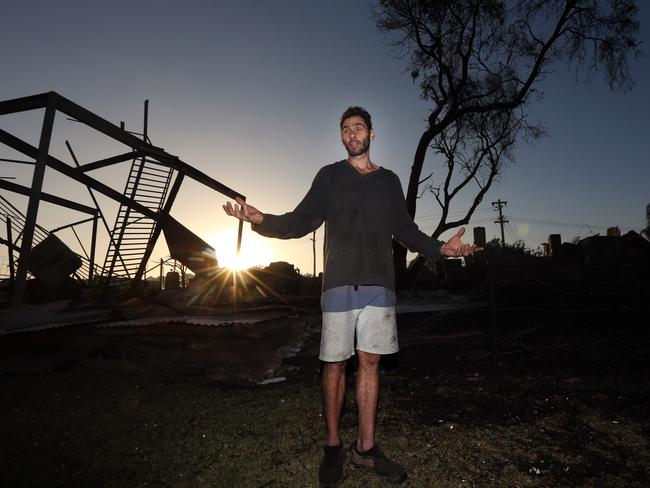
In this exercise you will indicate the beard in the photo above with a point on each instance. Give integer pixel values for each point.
(361, 148)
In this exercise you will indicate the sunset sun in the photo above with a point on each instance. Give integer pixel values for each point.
(253, 251)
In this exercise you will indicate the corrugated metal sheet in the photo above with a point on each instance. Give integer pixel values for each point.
(53, 315)
(205, 321)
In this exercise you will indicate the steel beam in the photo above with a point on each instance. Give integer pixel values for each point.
(34, 200)
(199, 176)
(87, 117)
(240, 231)
(93, 120)
(63, 202)
(25, 103)
(120, 158)
(102, 125)
(54, 163)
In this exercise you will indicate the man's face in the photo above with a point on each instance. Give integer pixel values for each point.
(355, 135)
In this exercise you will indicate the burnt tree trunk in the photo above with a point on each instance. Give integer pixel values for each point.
(399, 251)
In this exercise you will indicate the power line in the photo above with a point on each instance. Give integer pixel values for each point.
(556, 223)
(458, 212)
(511, 233)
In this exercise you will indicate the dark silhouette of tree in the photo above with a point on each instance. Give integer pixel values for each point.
(474, 150)
(516, 248)
(479, 62)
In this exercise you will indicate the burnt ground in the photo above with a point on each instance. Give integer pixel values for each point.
(566, 403)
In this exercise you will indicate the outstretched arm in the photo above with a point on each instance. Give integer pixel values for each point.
(454, 247)
(407, 233)
(244, 212)
(305, 218)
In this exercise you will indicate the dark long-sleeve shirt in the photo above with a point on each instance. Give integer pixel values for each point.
(362, 214)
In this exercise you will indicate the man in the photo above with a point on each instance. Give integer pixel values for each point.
(362, 205)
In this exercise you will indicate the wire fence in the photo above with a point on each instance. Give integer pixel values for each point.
(579, 296)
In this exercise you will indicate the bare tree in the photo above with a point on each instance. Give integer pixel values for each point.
(478, 58)
(474, 150)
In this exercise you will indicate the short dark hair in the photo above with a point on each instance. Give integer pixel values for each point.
(360, 111)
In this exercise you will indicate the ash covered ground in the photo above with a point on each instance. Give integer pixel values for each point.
(566, 402)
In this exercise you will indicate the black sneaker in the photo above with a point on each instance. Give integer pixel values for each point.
(375, 461)
(331, 472)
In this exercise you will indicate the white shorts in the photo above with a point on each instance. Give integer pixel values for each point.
(368, 311)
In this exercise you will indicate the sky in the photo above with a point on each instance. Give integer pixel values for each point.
(250, 93)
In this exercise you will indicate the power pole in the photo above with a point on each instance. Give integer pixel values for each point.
(313, 244)
(501, 204)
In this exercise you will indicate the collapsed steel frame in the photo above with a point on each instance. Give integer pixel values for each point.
(52, 102)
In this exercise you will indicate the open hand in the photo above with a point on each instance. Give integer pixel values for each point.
(243, 211)
(454, 247)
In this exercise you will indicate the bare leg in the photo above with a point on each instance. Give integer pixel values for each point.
(367, 393)
(333, 395)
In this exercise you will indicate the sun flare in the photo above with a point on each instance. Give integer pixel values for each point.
(234, 262)
(253, 251)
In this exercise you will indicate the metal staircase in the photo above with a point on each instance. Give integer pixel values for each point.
(147, 184)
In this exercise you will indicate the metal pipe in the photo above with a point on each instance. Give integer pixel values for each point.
(17, 161)
(80, 243)
(73, 224)
(146, 120)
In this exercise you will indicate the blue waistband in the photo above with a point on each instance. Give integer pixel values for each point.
(356, 297)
